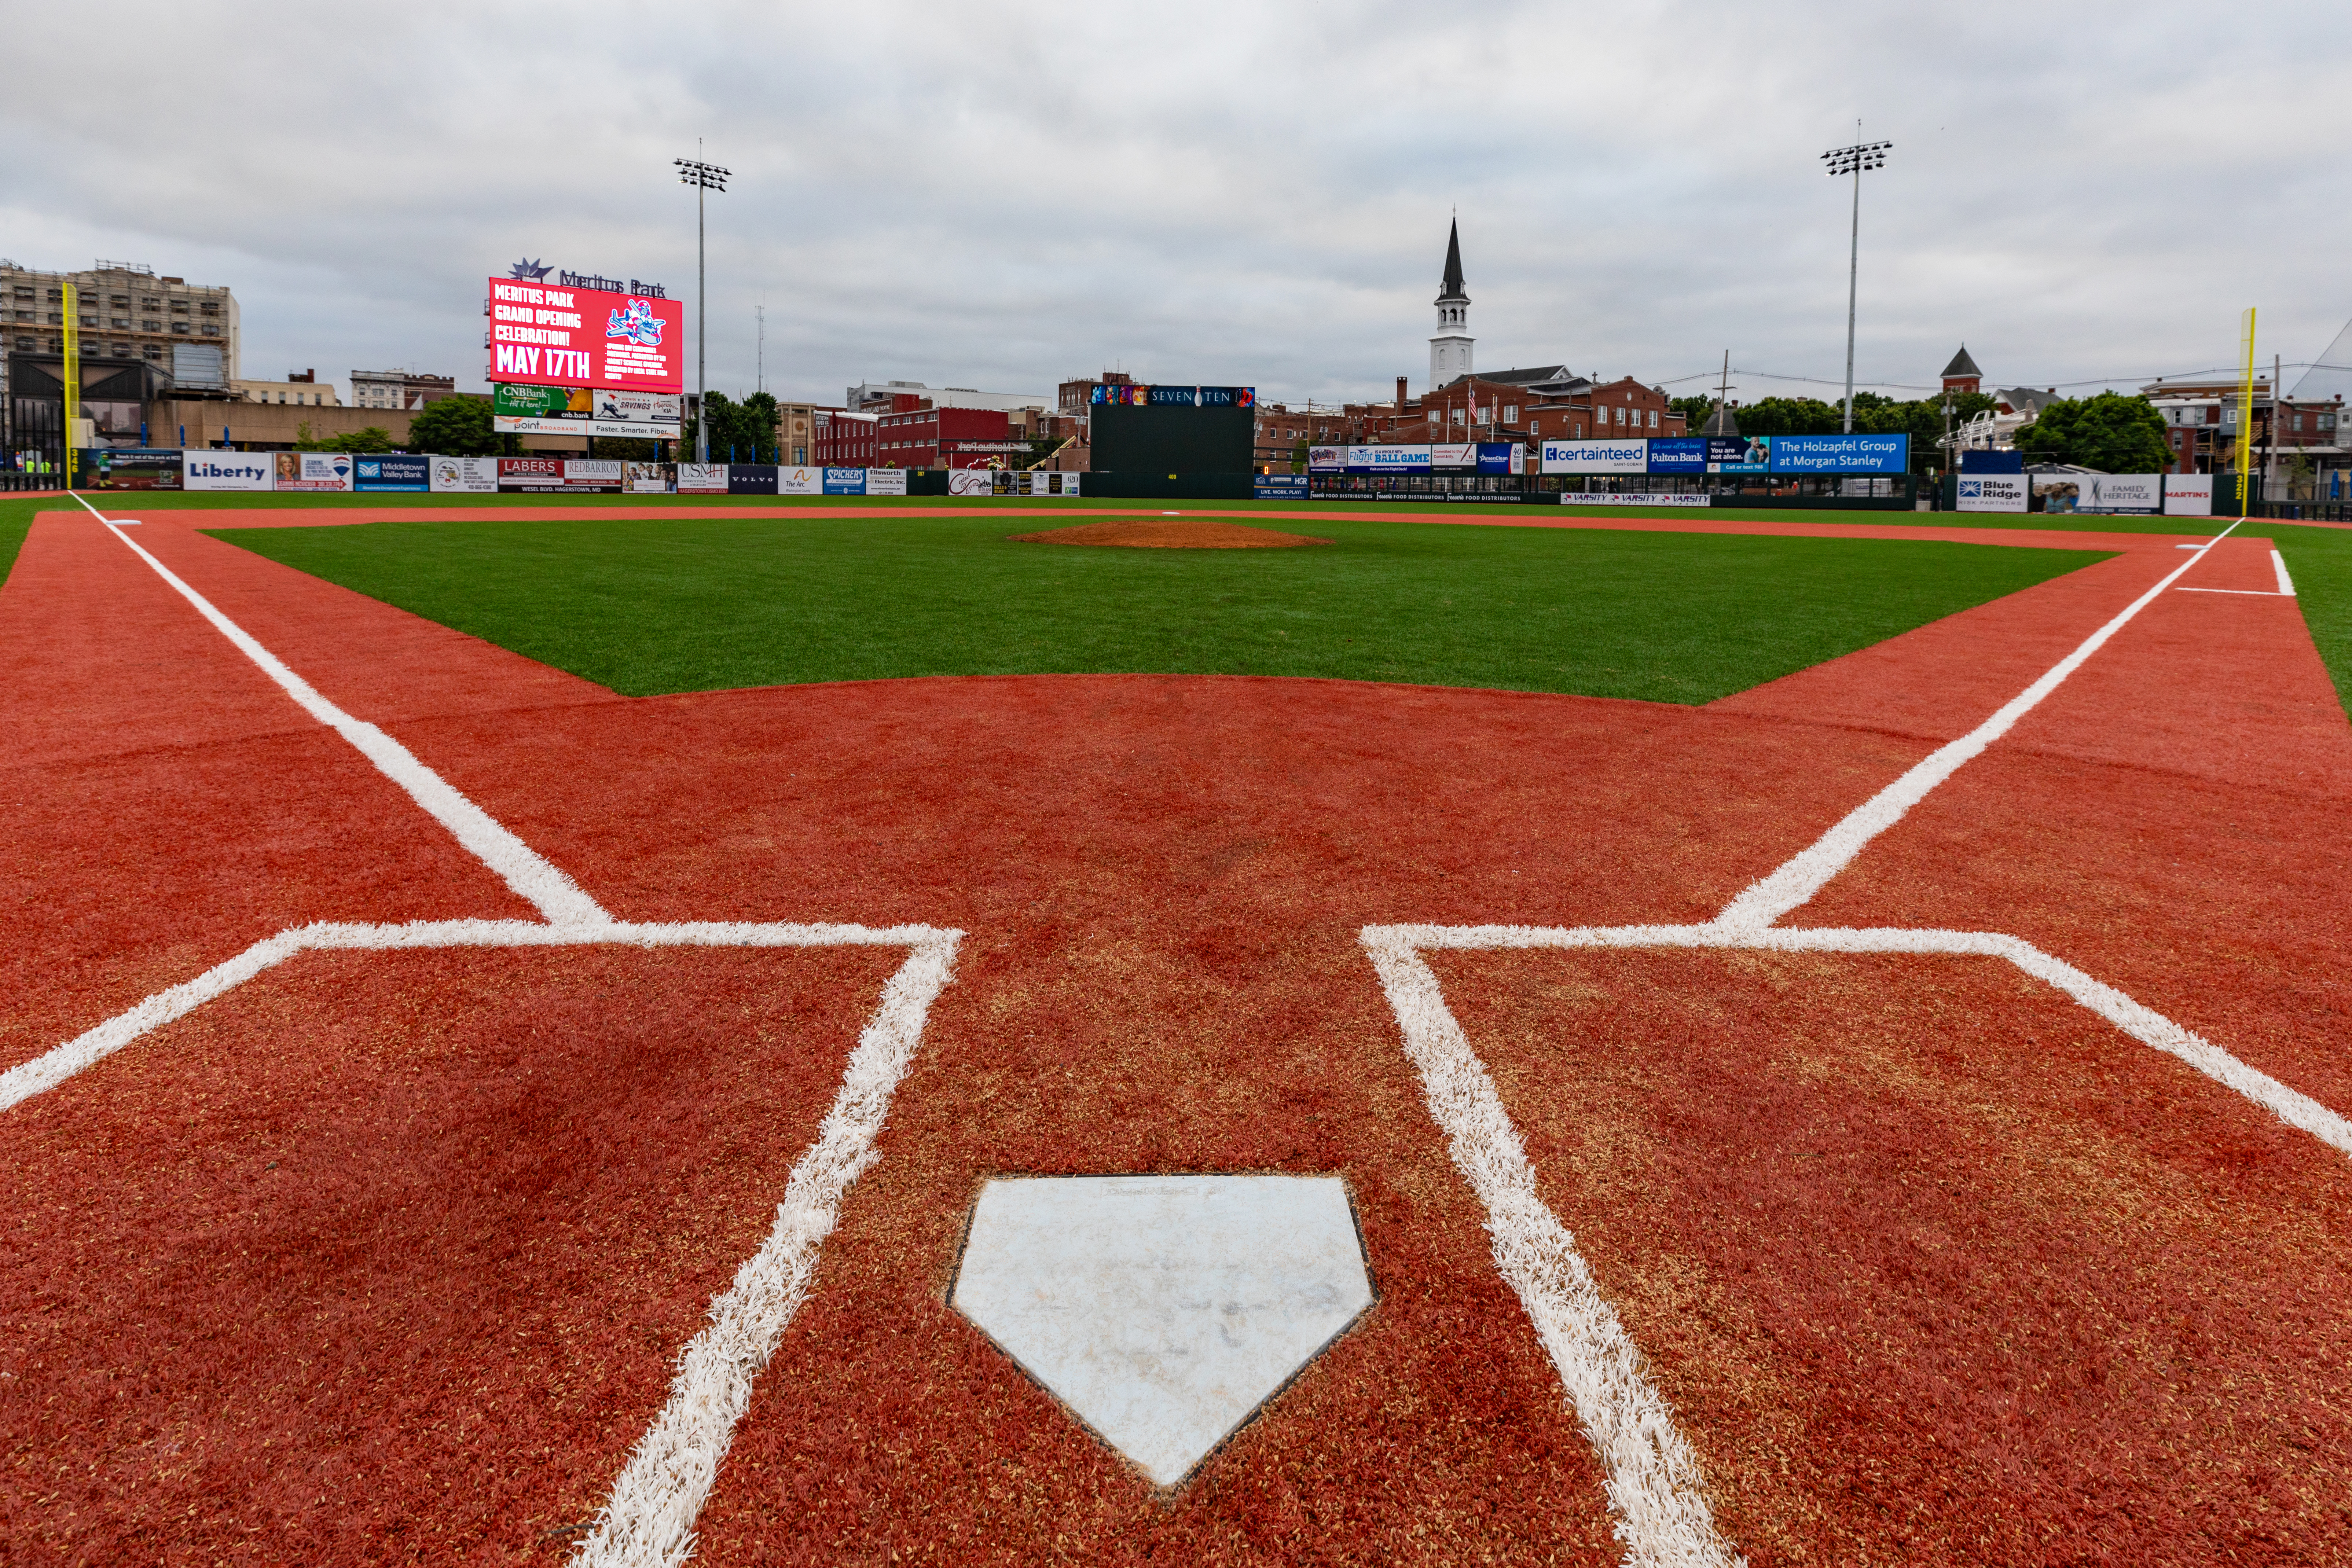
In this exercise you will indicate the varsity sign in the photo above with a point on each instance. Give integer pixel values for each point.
(586, 337)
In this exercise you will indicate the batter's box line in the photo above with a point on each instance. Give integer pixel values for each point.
(1654, 1485)
(648, 1517)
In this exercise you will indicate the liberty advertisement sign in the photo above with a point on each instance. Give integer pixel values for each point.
(586, 337)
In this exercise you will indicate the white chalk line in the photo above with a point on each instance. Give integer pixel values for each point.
(2249, 592)
(1651, 1477)
(1768, 900)
(649, 1516)
(2285, 583)
(1655, 1488)
(547, 889)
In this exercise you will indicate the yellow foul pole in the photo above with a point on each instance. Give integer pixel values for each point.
(73, 382)
(2246, 413)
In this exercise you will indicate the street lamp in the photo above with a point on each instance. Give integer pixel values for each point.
(702, 178)
(1852, 161)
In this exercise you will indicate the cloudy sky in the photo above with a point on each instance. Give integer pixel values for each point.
(1003, 196)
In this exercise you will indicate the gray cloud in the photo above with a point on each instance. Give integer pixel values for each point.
(1006, 196)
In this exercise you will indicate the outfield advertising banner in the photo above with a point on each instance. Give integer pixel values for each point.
(645, 479)
(1849, 454)
(2185, 495)
(800, 481)
(313, 471)
(465, 476)
(586, 337)
(1326, 459)
(702, 478)
(1991, 492)
(1388, 459)
(1630, 497)
(392, 472)
(1279, 487)
(750, 479)
(844, 481)
(2141, 493)
(1738, 454)
(226, 471)
(885, 481)
(539, 410)
(1630, 456)
(1177, 396)
(971, 481)
(1678, 454)
(656, 416)
(531, 473)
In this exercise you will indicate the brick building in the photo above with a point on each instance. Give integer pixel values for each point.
(843, 440)
(407, 389)
(2201, 424)
(935, 437)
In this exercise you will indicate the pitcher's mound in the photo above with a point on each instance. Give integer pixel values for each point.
(1169, 534)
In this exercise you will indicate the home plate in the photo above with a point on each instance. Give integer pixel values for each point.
(1163, 1311)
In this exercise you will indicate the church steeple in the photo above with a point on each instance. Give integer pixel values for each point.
(1449, 351)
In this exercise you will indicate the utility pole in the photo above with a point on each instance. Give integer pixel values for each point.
(759, 359)
(704, 177)
(1852, 161)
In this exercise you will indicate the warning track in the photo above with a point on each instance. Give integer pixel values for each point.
(394, 1253)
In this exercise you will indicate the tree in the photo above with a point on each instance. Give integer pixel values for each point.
(742, 432)
(458, 427)
(1788, 417)
(1693, 410)
(2113, 433)
(368, 438)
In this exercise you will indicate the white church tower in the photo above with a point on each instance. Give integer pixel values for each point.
(1449, 351)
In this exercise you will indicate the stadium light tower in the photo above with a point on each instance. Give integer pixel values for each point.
(703, 178)
(1852, 161)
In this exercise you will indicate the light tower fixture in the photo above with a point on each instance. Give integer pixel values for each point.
(705, 178)
(1852, 161)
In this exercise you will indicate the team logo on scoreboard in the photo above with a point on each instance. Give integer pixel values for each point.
(636, 323)
(531, 272)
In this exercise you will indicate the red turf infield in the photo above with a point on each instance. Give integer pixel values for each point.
(2100, 1320)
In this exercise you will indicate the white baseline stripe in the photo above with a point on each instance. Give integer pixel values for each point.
(650, 1516)
(2250, 592)
(1653, 1481)
(55, 1066)
(2285, 583)
(52, 1067)
(1793, 884)
(1651, 1477)
(556, 895)
(2143, 1024)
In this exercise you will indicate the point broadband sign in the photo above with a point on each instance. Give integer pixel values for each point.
(586, 337)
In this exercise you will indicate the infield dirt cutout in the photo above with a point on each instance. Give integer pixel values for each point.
(1169, 533)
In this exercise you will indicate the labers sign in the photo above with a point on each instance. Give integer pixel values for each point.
(586, 337)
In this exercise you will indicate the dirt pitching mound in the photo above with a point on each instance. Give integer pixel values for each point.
(1169, 534)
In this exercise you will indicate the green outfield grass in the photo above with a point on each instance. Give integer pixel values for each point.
(501, 608)
(694, 604)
